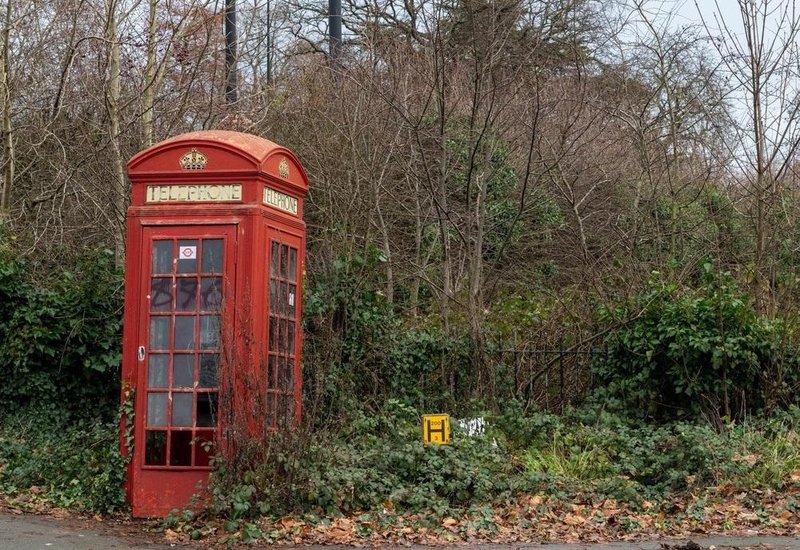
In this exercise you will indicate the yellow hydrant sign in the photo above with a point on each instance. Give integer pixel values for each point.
(436, 429)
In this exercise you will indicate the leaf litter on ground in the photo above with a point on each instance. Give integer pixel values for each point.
(527, 518)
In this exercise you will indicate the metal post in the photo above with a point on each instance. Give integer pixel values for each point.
(270, 42)
(335, 29)
(231, 77)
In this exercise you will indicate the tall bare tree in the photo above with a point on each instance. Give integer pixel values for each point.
(762, 62)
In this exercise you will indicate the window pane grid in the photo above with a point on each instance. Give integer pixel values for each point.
(182, 388)
(281, 340)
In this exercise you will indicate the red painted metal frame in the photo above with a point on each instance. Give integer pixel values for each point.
(232, 158)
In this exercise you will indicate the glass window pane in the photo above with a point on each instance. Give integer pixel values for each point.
(285, 410)
(161, 294)
(274, 254)
(182, 409)
(271, 373)
(284, 260)
(273, 296)
(283, 299)
(183, 371)
(162, 257)
(211, 293)
(290, 301)
(155, 449)
(293, 264)
(289, 375)
(206, 410)
(184, 332)
(203, 447)
(209, 365)
(282, 373)
(209, 331)
(157, 371)
(212, 256)
(273, 333)
(282, 338)
(290, 336)
(187, 256)
(180, 449)
(156, 410)
(187, 294)
(159, 333)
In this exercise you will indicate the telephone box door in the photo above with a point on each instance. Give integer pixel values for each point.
(186, 289)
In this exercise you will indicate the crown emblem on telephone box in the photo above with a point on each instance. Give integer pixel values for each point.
(194, 160)
(283, 169)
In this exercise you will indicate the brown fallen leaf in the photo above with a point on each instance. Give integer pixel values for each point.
(287, 522)
(338, 533)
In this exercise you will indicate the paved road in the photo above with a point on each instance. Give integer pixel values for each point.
(26, 532)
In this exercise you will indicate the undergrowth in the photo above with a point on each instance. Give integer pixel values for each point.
(379, 462)
(50, 461)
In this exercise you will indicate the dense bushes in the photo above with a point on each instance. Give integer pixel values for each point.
(680, 352)
(359, 352)
(373, 460)
(60, 335)
(63, 463)
(378, 462)
(676, 354)
(59, 366)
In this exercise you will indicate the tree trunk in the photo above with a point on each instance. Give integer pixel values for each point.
(8, 134)
(475, 304)
(120, 187)
(149, 76)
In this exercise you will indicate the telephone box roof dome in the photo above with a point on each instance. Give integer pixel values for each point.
(220, 151)
(255, 146)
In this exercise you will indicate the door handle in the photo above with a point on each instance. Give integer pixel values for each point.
(141, 353)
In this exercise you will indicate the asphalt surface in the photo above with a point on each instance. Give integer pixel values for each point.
(27, 532)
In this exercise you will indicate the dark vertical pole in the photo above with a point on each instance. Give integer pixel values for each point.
(231, 78)
(270, 43)
(335, 29)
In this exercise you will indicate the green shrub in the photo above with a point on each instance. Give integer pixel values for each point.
(684, 352)
(378, 462)
(67, 464)
(60, 337)
(374, 460)
(359, 352)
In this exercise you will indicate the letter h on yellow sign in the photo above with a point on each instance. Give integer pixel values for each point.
(436, 429)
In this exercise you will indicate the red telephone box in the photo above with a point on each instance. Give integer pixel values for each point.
(211, 342)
